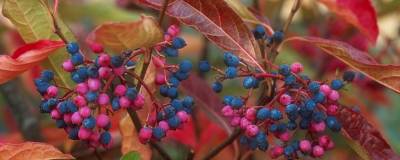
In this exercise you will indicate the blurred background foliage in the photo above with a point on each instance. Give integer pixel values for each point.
(381, 106)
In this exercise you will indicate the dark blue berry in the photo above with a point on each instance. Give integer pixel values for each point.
(89, 122)
(263, 114)
(319, 97)
(174, 122)
(217, 86)
(174, 81)
(204, 66)
(310, 105)
(349, 76)
(181, 75)
(337, 84)
(177, 104)
(231, 60)
(91, 96)
(116, 61)
(77, 59)
(318, 116)
(291, 109)
(164, 90)
(60, 123)
(158, 133)
(82, 72)
(230, 72)
(284, 70)
(171, 52)
(47, 75)
(131, 93)
(288, 150)
(290, 80)
(333, 124)
(130, 63)
(178, 43)
(188, 102)
(105, 138)
(93, 72)
(313, 86)
(63, 108)
(259, 32)
(278, 36)
(72, 48)
(172, 92)
(291, 125)
(115, 104)
(73, 133)
(304, 123)
(249, 82)
(237, 102)
(228, 100)
(276, 114)
(185, 65)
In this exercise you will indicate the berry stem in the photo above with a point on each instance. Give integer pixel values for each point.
(57, 29)
(221, 146)
(162, 14)
(142, 83)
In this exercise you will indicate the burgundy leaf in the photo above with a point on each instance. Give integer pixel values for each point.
(209, 101)
(217, 21)
(369, 138)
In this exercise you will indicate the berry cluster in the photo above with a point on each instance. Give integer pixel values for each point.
(297, 103)
(105, 85)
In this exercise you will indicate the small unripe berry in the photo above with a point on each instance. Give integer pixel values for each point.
(296, 67)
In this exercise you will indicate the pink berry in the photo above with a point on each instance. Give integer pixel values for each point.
(145, 134)
(167, 37)
(251, 114)
(120, 90)
(227, 111)
(285, 99)
(124, 102)
(96, 47)
(76, 118)
(103, 99)
(183, 116)
(276, 151)
(324, 140)
(84, 133)
(102, 120)
(80, 101)
(318, 151)
(68, 65)
(104, 72)
(318, 127)
(244, 122)
(94, 84)
(330, 145)
(252, 130)
(305, 146)
(159, 62)
(119, 71)
(285, 136)
(55, 114)
(104, 60)
(67, 118)
(235, 121)
(163, 125)
(95, 136)
(325, 89)
(84, 112)
(173, 30)
(81, 88)
(52, 91)
(334, 95)
(296, 67)
(160, 79)
(138, 102)
(332, 110)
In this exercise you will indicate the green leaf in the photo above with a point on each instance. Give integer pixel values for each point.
(33, 21)
(133, 155)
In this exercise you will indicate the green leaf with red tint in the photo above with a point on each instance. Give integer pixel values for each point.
(25, 58)
(387, 75)
(359, 13)
(215, 20)
(368, 139)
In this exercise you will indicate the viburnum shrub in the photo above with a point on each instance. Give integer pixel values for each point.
(103, 87)
(251, 97)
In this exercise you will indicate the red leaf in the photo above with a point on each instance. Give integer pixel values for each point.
(25, 58)
(387, 75)
(31, 150)
(217, 21)
(369, 138)
(360, 13)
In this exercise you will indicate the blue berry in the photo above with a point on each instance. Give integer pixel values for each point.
(319, 97)
(288, 150)
(116, 61)
(273, 128)
(93, 72)
(313, 86)
(174, 81)
(158, 133)
(284, 70)
(76, 78)
(47, 75)
(230, 72)
(304, 123)
(349, 76)
(164, 90)
(318, 116)
(237, 102)
(130, 63)
(89, 122)
(71, 106)
(131, 93)
(249, 82)
(228, 100)
(217, 86)
(161, 116)
(276, 114)
(83, 73)
(282, 127)
(291, 109)
(310, 105)
(263, 114)
(91, 96)
(291, 125)
(333, 124)
(337, 84)
(77, 59)
(178, 43)
(204, 66)
(171, 52)
(278, 36)
(115, 104)
(185, 66)
(72, 48)
(188, 102)
(174, 122)
(231, 60)
(63, 108)
(177, 104)
(60, 123)
(259, 32)
(45, 107)
(181, 75)
(105, 138)
(73, 133)
(290, 80)
(172, 92)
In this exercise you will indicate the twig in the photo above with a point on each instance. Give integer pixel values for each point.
(221, 146)
(295, 8)
(162, 14)
(57, 29)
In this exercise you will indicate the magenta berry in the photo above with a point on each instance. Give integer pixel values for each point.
(251, 114)
(276, 151)
(305, 146)
(94, 84)
(252, 130)
(138, 102)
(285, 136)
(296, 67)
(84, 112)
(84, 133)
(68, 66)
(317, 151)
(120, 90)
(164, 125)
(52, 91)
(160, 79)
(102, 120)
(145, 134)
(80, 101)
(82, 88)
(104, 99)
(54, 114)
(334, 95)
(318, 127)
(244, 122)
(76, 118)
(227, 111)
(235, 121)
(183, 116)
(325, 89)
(285, 99)
(124, 102)
(104, 60)
(332, 110)
(105, 72)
